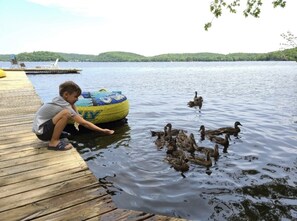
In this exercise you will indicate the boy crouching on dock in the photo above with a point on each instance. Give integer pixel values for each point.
(51, 118)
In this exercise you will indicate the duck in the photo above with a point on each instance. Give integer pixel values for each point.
(219, 140)
(181, 138)
(179, 164)
(174, 151)
(161, 133)
(191, 103)
(185, 142)
(191, 147)
(208, 133)
(197, 101)
(213, 152)
(160, 141)
(173, 132)
(207, 162)
(231, 130)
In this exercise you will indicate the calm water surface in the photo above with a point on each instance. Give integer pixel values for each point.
(255, 180)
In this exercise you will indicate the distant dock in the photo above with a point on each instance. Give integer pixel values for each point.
(46, 70)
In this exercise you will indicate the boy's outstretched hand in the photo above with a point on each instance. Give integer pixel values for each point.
(107, 131)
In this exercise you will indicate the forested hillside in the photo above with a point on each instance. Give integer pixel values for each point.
(117, 56)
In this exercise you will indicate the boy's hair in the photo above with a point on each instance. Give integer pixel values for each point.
(70, 87)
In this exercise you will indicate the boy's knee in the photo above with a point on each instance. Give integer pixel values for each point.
(66, 113)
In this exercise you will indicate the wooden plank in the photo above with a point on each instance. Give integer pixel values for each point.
(164, 218)
(47, 192)
(19, 154)
(60, 158)
(83, 211)
(54, 204)
(38, 158)
(20, 139)
(24, 145)
(13, 134)
(41, 181)
(122, 214)
(44, 171)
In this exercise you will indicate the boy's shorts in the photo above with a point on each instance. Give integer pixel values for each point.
(48, 129)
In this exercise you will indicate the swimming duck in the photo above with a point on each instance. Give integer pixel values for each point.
(208, 133)
(173, 150)
(179, 164)
(160, 141)
(202, 161)
(185, 142)
(181, 138)
(191, 146)
(162, 133)
(219, 140)
(173, 132)
(197, 101)
(213, 152)
(231, 130)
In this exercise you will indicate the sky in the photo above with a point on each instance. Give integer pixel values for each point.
(145, 27)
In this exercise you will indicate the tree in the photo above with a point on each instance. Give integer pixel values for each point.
(291, 40)
(253, 8)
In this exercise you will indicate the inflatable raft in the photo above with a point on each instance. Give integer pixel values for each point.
(2, 73)
(103, 106)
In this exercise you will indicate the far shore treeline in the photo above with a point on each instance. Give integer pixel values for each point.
(117, 56)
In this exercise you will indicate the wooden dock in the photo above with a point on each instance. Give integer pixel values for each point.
(38, 184)
(45, 70)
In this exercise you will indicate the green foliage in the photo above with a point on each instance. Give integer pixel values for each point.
(77, 57)
(40, 56)
(291, 40)
(253, 8)
(189, 57)
(4, 57)
(117, 56)
(282, 55)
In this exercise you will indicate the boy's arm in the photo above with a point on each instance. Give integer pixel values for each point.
(74, 108)
(77, 118)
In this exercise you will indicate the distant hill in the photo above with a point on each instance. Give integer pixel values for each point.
(118, 56)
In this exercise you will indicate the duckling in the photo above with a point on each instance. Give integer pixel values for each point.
(202, 161)
(208, 133)
(213, 152)
(181, 138)
(173, 151)
(219, 140)
(191, 103)
(186, 143)
(197, 101)
(231, 130)
(179, 164)
(162, 133)
(160, 141)
(191, 145)
(174, 132)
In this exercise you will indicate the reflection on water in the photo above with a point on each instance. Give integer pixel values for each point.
(255, 180)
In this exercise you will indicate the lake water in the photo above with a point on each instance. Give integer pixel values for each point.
(255, 180)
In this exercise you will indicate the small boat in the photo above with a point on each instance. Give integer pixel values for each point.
(103, 106)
